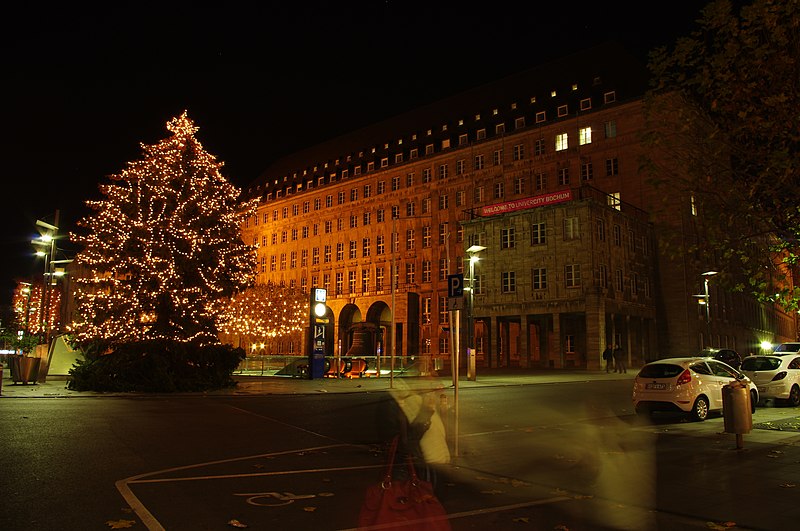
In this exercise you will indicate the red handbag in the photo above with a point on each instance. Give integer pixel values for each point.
(402, 504)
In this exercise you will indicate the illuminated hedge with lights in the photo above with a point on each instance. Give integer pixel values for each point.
(266, 312)
(164, 248)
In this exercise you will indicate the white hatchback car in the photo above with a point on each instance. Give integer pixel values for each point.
(776, 377)
(690, 385)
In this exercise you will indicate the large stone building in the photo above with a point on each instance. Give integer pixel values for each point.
(540, 171)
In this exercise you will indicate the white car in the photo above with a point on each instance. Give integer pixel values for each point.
(689, 385)
(776, 377)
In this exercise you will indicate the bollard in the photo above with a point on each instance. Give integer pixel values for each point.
(737, 410)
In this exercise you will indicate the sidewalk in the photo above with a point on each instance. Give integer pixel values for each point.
(55, 386)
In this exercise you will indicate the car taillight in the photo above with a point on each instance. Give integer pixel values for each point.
(780, 376)
(684, 378)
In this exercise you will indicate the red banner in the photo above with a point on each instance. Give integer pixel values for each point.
(529, 202)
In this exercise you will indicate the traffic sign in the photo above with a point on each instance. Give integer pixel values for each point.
(455, 286)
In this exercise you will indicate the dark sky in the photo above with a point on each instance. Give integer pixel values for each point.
(84, 86)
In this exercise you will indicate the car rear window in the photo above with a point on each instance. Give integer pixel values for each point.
(788, 347)
(660, 370)
(760, 364)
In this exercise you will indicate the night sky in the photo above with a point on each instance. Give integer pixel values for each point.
(83, 86)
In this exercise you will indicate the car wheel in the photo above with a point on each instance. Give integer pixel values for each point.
(700, 408)
(753, 401)
(794, 396)
(642, 411)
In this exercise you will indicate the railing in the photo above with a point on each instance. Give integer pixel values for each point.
(339, 367)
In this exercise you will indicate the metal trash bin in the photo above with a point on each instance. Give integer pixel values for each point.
(737, 409)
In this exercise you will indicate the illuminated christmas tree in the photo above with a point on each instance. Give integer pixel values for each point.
(164, 247)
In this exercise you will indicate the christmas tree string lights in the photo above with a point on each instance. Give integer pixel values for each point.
(163, 247)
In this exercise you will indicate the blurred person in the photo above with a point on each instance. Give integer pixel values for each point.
(619, 360)
(414, 416)
(608, 356)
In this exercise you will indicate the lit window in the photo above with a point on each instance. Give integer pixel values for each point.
(562, 142)
(585, 135)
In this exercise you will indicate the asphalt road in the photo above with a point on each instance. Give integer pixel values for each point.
(555, 456)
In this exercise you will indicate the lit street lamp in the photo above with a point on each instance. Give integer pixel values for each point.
(706, 301)
(46, 244)
(472, 251)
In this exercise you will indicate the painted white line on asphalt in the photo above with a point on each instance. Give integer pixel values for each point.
(463, 514)
(153, 524)
(257, 474)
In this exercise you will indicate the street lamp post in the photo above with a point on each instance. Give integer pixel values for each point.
(472, 251)
(47, 244)
(707, 302)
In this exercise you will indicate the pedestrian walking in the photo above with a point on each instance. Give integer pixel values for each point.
(608, 357)
(619, 360)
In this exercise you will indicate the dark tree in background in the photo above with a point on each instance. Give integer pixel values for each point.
(725, 119)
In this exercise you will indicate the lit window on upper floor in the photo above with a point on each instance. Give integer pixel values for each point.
(613, 200)
(477, 117)
(373, 151)
(610, 97)
(574, 86)
(400, 142)
(562, 110)
(444, 127)
(494, 112)
(461, 122)
(585, 135)
(349, 158)
(429, 132)
(553, 94)
(541, 116)
(513, 106)
(562, 141)
(586, 104)
(413, 137)
(445, 143)
(386, 146)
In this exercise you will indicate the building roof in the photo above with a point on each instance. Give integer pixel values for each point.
(607, 67)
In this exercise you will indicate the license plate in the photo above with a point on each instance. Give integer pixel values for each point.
(656, 386)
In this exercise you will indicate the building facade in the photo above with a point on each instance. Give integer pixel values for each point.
(542, 171)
